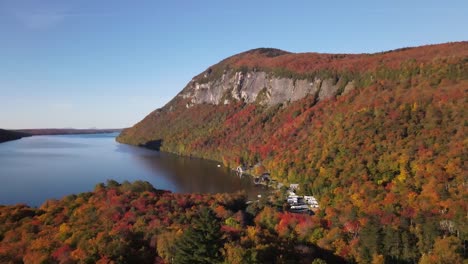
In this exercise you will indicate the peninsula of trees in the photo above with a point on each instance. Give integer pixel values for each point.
(8, 135)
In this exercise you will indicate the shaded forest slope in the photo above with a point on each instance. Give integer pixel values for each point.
(8, 135)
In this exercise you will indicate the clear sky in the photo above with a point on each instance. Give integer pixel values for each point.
(106, 64)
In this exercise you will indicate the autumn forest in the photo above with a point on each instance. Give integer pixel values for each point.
(386, 161)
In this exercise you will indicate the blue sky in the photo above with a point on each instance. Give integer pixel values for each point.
(105, 64)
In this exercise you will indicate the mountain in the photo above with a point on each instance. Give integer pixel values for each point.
(241, 107)
(379, 139)
(8, 135)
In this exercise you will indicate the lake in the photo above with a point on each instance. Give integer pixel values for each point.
(38, 168)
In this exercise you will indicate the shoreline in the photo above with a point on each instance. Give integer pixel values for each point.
(11, 135)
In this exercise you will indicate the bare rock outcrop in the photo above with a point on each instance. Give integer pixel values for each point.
(260, 87)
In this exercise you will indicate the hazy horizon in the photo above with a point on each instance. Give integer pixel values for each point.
(58, 127)
(104, 64)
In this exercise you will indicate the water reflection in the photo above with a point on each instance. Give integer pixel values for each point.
(38, 168)
(192, 175)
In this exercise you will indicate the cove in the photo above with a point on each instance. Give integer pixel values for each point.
(38, 168)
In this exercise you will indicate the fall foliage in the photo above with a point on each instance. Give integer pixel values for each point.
(387, 161)
(135, 223)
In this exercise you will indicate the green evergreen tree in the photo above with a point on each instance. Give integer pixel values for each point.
(201, 242)
(409, 249)
(391, 244)
(370, 239)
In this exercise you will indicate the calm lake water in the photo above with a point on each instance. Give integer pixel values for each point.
(38, 168)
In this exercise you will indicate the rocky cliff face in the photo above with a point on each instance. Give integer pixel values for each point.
(260, 87)
(271, 76)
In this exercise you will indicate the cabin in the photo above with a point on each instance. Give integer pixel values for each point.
(295, 199)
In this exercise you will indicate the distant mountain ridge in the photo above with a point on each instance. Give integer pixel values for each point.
(67, 131)
(8, 135)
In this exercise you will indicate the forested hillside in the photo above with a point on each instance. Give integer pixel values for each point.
(134, 223)
(380, 139)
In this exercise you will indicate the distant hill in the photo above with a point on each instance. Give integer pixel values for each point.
(66, 131)
(379, 138)
(8, 135)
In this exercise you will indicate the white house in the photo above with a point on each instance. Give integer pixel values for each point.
(312, 201)
(293, 199)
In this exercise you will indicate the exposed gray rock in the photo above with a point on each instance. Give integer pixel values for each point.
(349, 87)
(328, 89)
(281, 90)
(235, 86)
